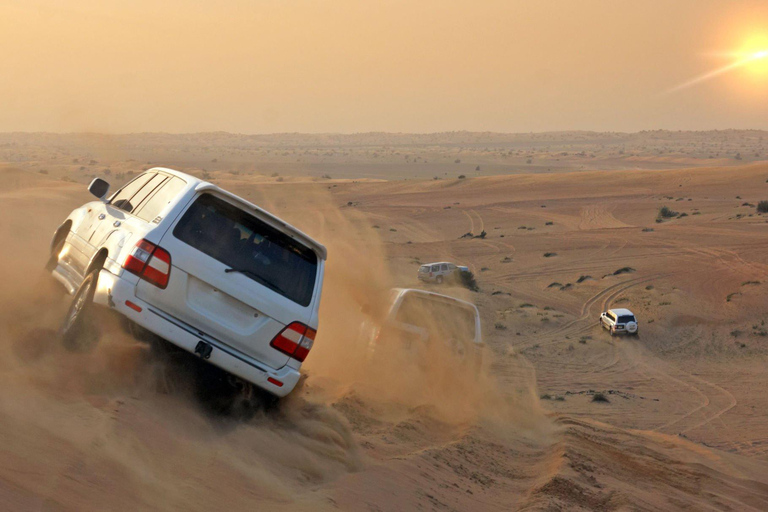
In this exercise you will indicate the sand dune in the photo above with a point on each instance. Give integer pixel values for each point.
(683, 427)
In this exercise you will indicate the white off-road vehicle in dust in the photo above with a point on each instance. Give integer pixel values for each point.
(440, 272)
(197, 266)
(619, 321)
(415, 318)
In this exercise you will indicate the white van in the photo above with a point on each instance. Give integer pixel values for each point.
(197, 266)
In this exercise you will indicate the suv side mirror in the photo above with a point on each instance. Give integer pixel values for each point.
(99, 188)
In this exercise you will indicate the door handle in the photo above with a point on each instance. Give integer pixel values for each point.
(116, 224)
(101, 216)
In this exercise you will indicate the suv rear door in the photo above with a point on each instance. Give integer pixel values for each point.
(270, 283)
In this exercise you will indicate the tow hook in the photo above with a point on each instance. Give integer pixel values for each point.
(203, 349)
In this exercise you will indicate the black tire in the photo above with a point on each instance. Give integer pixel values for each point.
(439, 280)
(79, 332)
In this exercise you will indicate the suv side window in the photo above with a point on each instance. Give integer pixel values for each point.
(435, 268)
(124, 196)
(160, 198)
(443, 267)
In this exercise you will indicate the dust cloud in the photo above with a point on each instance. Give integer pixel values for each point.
(126, 424)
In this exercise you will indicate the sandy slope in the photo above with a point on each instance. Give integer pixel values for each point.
(684, 427)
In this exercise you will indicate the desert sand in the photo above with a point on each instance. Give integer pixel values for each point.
(683, 426)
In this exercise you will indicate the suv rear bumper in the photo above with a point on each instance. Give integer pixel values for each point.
(115, 292)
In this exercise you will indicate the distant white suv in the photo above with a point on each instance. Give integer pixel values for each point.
(619, 321)
(200, 268)
(440, 272)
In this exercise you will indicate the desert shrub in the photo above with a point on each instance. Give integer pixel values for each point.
(549, 254)
(581, 279)
(555, 285)
(546, 396)
(482, 234)
(499, 326)
(461, 176)
(468, 281)
(527, 305)
(624, 270)
(600, 397)
(666, 212)
(549, 223)
(762, 207)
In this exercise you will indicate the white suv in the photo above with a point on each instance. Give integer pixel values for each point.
(200, 268)
(415, 318)
(440, 272)
(619, 321)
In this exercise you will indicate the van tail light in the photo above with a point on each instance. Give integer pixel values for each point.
(295, 340)
(149, 262)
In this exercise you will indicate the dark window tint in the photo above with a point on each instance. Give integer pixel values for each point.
(250, 246)
(443, 267)
(160, 198)
(623, 319)
(124, 196)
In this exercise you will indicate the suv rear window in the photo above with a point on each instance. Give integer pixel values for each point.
(250, 246)
(623, 319)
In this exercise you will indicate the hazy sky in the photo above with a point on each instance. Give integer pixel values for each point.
(258, 66)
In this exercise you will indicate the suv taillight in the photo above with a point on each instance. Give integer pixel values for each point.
(149, 262)
(295, 340)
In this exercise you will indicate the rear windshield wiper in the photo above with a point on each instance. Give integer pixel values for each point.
(258, 278)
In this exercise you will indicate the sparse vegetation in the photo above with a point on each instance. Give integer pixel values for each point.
(468, 281)
(762, 207)
(499, 326)
(600, 397)
(549, 254)
(581, 279)
(624, 270)
(666, 212)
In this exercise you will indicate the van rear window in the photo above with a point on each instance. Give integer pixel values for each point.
(250, 247)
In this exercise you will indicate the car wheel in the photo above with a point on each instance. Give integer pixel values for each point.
(79, 332)
(439, 280)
